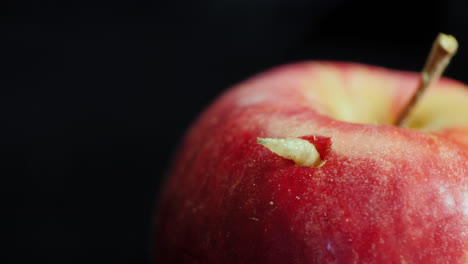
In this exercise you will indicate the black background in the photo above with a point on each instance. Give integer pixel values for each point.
(96, 95)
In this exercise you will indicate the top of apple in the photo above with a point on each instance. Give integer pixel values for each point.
(358, 94)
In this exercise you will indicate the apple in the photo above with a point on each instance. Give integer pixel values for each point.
(304, 163)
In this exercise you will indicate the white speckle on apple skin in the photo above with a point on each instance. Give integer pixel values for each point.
(465, 204)
(252, 99)
(330, 248)
(448, 198)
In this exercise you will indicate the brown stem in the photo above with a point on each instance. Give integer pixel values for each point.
(443, 49)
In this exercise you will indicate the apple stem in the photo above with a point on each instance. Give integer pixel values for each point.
(443, 49)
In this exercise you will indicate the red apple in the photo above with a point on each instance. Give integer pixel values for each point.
(373, 193)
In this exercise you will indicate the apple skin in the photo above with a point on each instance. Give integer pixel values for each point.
(386, 194)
